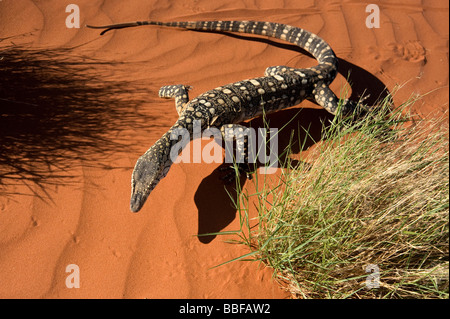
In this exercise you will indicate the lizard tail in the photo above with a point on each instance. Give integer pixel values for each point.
(110, 27)
(300, 37)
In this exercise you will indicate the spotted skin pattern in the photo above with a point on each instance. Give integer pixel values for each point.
(225, 106)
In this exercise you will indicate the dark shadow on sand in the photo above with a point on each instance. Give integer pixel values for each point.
(215, 208)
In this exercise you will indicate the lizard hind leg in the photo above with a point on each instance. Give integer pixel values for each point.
(328, 100)
(179, 92)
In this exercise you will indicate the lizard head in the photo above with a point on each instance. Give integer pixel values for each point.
(154, 165)
(150, 168)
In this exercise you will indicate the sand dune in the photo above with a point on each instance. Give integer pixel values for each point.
(84, 219)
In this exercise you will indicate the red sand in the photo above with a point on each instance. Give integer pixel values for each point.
(156, 253)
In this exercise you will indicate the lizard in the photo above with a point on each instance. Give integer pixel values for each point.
(230, 104)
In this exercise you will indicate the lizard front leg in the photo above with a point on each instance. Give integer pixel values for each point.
(179, 92)
(238, 135)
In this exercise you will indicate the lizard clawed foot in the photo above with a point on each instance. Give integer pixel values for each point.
(243, 169)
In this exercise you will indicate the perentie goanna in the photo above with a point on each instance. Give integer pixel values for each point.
(279, 88)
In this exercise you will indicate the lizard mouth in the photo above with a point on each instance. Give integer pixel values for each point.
(139, 196)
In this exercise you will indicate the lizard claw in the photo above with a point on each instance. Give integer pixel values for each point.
(230, 175)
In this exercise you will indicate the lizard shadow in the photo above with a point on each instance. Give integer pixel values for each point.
(214, 197)
(362, 81)
(214, 200)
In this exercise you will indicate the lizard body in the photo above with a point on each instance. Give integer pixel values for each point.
(279, 88)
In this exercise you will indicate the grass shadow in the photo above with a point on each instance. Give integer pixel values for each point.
(57, 111)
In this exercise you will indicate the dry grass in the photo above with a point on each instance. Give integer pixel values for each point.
(374, 194)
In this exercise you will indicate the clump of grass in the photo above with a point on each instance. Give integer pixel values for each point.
(372, 196)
